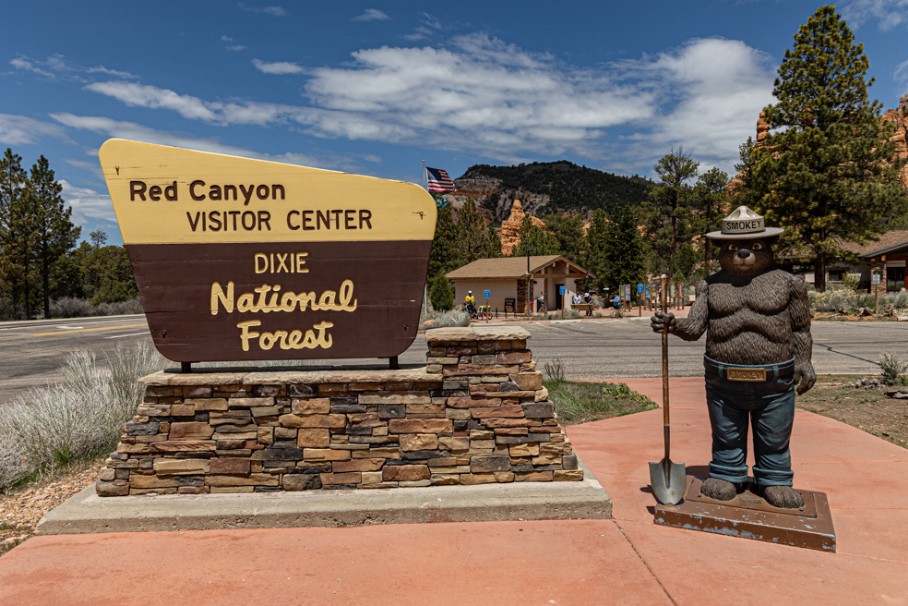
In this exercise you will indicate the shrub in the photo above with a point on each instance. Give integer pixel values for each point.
(121, 308)
(554, 370)
(77, 419)
(572, 314)
(892, 368)
(71, 307)
(844, 301)
(445, 319)
(441, 293)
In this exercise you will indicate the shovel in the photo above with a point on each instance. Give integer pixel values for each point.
(669, 480)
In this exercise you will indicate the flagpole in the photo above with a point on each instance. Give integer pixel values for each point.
(425, 290)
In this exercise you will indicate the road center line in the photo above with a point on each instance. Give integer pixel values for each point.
(69, 332)
(132, 334)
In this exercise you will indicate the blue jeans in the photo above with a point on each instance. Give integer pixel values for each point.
(770, 407)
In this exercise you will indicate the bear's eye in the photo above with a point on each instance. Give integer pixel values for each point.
(757, 246)
(731, 247)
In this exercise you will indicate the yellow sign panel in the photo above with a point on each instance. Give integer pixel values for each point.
(167, 195)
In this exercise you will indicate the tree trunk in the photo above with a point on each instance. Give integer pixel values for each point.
(819, 273)
(45, 277)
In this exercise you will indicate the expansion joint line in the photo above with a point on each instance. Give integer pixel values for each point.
(644, 562)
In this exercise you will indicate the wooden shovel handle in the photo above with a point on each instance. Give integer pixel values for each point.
(665, 408)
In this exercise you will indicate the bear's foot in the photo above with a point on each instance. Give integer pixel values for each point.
(721, 490)
(783, 496)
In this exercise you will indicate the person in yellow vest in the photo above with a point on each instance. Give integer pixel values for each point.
(469, 303)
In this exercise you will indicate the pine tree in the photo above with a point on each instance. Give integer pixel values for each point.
(625, 255)
(473, 240)
(568, 230)
(710, 196)
(669, 214)
(536, 239)
(444, 256)
(595, 256)
(825, 173)
(13, 267)
(54, 230)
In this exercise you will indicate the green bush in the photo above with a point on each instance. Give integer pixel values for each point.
(892, 368)
(441, 293)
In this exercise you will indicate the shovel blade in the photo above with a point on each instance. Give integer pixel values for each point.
(669, 481)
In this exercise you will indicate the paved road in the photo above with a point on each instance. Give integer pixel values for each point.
(628, 348)
(31, 353)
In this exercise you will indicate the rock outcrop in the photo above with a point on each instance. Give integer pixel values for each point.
(899, 119)
(510, 228)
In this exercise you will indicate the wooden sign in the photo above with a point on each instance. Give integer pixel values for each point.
(240, 259)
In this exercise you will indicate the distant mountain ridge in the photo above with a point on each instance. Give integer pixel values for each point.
(546, 187)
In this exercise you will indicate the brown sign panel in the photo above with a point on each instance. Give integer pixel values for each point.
(239, 259)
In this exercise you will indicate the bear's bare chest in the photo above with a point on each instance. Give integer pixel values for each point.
(766, 295)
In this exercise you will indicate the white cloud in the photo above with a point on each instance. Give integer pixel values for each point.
(230, 44)
(58, 66)
(372, 14)
(141, 95)
(131, 130)
(484, 96)
(87, 204)
(279, 68)
(137, 132)
(901, 73)
(27, 65)
(710, 95)
(21, 130)
(274, 11)
(480, 94)
(887, 14)
(429, 27)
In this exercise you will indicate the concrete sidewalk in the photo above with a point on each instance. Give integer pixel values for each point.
(626, 560)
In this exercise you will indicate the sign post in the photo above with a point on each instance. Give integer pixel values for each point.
(240, 259)
(876, 292)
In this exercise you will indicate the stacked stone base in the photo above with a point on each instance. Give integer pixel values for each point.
(477, 413)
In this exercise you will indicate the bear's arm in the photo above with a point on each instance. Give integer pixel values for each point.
(802, 342)
(693, 326)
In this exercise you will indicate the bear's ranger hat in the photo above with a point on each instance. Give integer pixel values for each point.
(744, 224)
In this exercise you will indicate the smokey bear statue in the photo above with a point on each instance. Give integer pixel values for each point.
(758, 346)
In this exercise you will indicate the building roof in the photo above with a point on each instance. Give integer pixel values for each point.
(888, 242)
(510, 267)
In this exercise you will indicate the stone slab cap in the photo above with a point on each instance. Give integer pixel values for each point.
(476, 333)
(261, 377)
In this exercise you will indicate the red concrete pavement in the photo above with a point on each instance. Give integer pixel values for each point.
(627, 560)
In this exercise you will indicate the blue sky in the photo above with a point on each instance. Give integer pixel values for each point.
(377, 87)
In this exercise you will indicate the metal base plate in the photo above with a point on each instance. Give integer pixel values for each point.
(750, 516)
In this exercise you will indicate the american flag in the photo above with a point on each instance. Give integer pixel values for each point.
(438, 181)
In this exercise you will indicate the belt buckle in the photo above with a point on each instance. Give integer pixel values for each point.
(746, 375)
